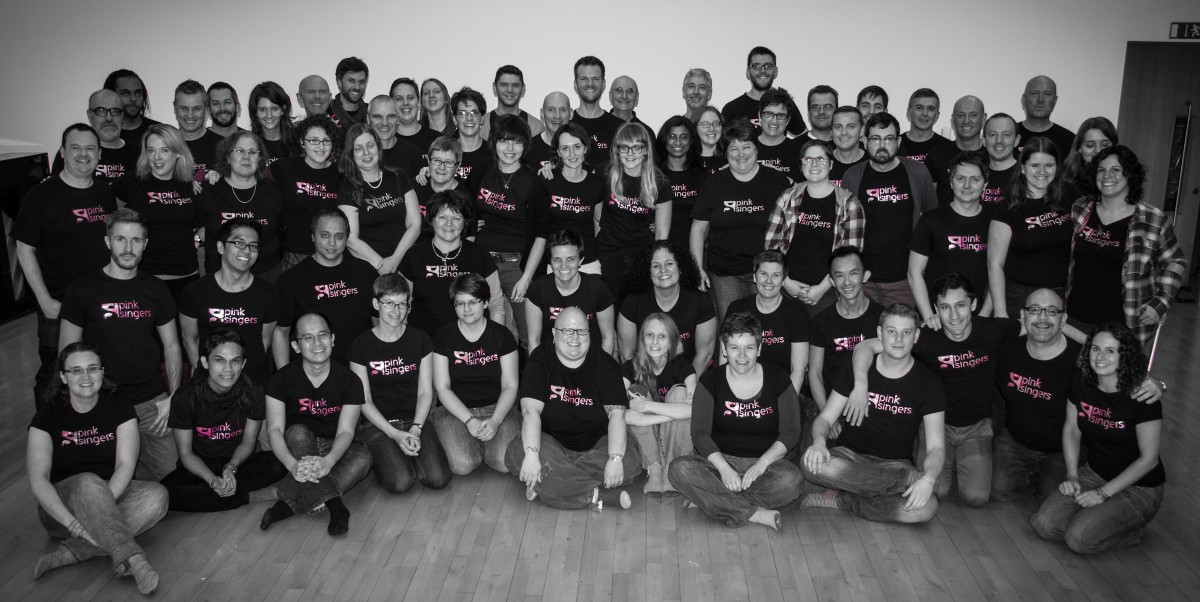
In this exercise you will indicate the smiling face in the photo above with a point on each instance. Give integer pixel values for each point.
(353, 85)
(1093, 142)
(383, 117)
(224, 364)
(564, 262)
(923, 112)
(223, 108)
(314, 340)
(815, 164)
(768, 280)
(432, 98)
(468, 118)
(393, 309)
(508, 154)
(709, 128)
(847, 131)
(571, 151)
(589, 83)
(190, 112)
(235, 260)
(1111, 179)
(556, 110)
(870, 105)
(968, 118)
(317, 145)
(408, 102)
(314, 95)
(954, 308)
(1000, 138)
(679, 140)
(162, 158)
(966, 182)
(574, 346)
(509, 90)
(1039, 171)
(774, 119)
(1104, 356)
(697, 91)
(742, 352)
(83, 374)
(848, 276)
(81, 153)
(656, 340)
(762, 72)
(442, 166)
(742, 156)
(664, 270)
(1041, 327)
(448, 226)
(624, 94)
(269, 114)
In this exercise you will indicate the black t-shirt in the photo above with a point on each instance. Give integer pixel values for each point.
(217, 428)
(812, 239)
(305, 191)
(121, 318)
(66, 226)
(513, 209)
(747, 427)
(1035, 393)
(954, 243)
(168, 209)
(685, 188)
(888, 204)
(1059, 135)
(787, 325)
(114, 163)
(431, 277)
(342, 293)
(86, 442)
(919, 151)
(422, 139)
(204, 150)
(712, 164)
(382, 215)
(475, 370)
(744, 106)
(574, 398)
(938, 162)
(675, 372)
(134, 135)
(220, 203)
(690, 311)
(1097, 291)
(425, 194)
(625, 223)
(737, 214)
(838, 336)
(967, 368)
(897, 408)
(592, 297)
(405, 157)
(602, 129)
(783, 157)
(995, 192)
(539, 153)
(246, 312)
(1108, 425)
(318, 408)
(274, 150)
(1039, 250)
(393, 370)
(837, 170)
(474, 164)
(572, 207)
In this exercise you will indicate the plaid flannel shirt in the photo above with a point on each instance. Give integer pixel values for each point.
(847, 229)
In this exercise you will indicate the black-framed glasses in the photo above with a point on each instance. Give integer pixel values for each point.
(243, 245)
(1038, 310)
(571, 332)
(390, 305)
(111, 112)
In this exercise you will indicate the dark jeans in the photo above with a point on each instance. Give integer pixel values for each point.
(350, 469)
(47, 333)
(1117, 522)
(700, 482)
(871, 487)
(189, 493)
(112, 523)
(463, 451)
(157, 455)
(568, 476)
(396, 471)
(1016, 468)
(968, 462)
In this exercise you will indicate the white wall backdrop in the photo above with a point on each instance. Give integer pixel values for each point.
(55, 52)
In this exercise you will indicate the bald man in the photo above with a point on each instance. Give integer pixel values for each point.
(384, 118)
(624, 97)
(968, 119)
(556, 110)
(118, 157)
(1041, 94)
(313, 95)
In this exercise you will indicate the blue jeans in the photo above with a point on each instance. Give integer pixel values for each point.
(968, 462)
(350, 469)
(463, 451)
(189, 493)
(157, 456)
(569, 477)
(396, 471)
(1016, 468)
(510, 272)
(698, 481)
(1117, 522)
(727, 289)
(872, 488)
(113, 523)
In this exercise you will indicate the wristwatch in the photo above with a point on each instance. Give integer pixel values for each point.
(615, 457)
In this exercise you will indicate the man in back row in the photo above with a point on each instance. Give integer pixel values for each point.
(761, 70)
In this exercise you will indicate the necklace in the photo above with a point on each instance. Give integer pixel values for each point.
(377, 183)
(505, 180)
(447, 257)
(253, 192)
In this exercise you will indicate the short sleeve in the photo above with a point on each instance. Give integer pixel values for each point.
(920, 237)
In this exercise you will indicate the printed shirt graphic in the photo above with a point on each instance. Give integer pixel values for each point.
(216, 431)
(746, 427)
(66, 225)
(572, 205)
(787, 325)
(220, 203)
(897, 408)
(838, 336)
(574, 398)
(967, 368)
(783, 157)
(954, 243)
(1035, 393)
(83, 442)
(625, 222)
(1039, 250)
(888, 205)
(591, 296)
(812, 238)
(1108, 425)
(475, 371)
(513, 209)
(690, 311)
(995, 191)
(305, 191)
(382, 215)
(737, 214)
(246, 312)
(342, 293)
(431, 278)
(169, 210)
(318, 408)
(393, 370)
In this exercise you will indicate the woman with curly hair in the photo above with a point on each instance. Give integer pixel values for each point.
(309, 182)
(664, 278)
(1108, 502)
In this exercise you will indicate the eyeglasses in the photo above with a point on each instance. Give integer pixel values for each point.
(631, 149)
(818, 161)
(309, 339)
(390, 305)
(469, 303)
(709, 125)
(442, 162)
(1037, 310)
(246, 152)
(883, 139)
(79, 371)
(243, 245)
(573, 332)
(319, 141)
(773, 116)
(762, 67)
(101, 111)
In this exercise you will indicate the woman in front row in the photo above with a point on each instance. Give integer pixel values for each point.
(216, 417)
(745, 419)
(1107, 503)
(80, 457)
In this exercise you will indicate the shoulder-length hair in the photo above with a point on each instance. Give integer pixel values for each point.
(274, 93)
(349, 169)
(1018, 187)
(639, 270)
(57, 391)
(1131, 366)
(185, 165)
(693, 154)
(634, 133)
(1075, 169)
(643, 368)
(226, 146)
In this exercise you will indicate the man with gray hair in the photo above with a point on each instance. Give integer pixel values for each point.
(697, 91)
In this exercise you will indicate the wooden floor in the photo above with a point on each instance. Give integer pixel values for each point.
(480, 540)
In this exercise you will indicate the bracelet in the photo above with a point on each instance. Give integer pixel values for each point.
(1103, 496)
(615, 457)
(532, 449)
(932, 480)
(418, 425)
(468, 420)
(231, 467)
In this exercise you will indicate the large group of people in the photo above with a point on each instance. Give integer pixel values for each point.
(413, 285)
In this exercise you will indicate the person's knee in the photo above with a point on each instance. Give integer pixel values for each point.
(298, 434)
(394, 481)
(975, 497)
(1080, 541)
(1045, 527)
(461, 465)
(438, 481)
(88, 484)
(158, 499)
(920, 515)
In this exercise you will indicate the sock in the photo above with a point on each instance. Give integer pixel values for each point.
(61, 556)
(143, 573)
(825, 499)
(339, 516)
(275, 514)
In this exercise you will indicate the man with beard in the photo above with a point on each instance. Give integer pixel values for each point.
(191, 111)
(132, 92)
(1041, 94)
(407, 95)
(556, 110)
(395, 153)
(313, 95)
(775, 149)
(130, 318)
(761, 71)
(697, 91)
(847, 128)
(967, 120)
(924, 108)
(347, 107)
(117, 156)
(224, 108)
(1000, 139)
(894, 193)
(589, 85)
(509, 88)
(822, 102)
